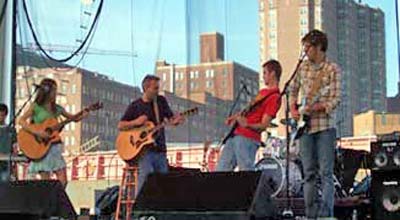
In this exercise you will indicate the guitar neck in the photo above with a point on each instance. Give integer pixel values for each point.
(67, 121)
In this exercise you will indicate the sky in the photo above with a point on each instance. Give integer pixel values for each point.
(165, 29)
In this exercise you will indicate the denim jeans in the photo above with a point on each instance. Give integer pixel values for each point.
(238, 151)
(151, 162)
(317, 151)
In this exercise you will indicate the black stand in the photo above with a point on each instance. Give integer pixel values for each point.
(287, 212)
(12, 132)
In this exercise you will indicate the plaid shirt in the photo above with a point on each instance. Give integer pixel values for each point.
(328, 94)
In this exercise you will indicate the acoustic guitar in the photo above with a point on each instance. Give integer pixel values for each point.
(131, 142)
(35, 147)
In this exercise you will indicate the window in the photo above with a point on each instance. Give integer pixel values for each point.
(72, 141)
(73, 126)
(164, 76)
(73, 108)
(64, 88)
(212, 73)
(209, 84)
(191, 74)
(196, 74)
(73, 89)
(303, 10)
(383, 119)
(66, 140)
(304, 21)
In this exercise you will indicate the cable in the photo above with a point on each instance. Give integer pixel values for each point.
(3, 11)
(160, 34)
(77, 50)
(133, 49)
(69, 67)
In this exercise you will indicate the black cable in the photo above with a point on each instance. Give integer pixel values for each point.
(3, 11)
(77, 50)
(398, 42)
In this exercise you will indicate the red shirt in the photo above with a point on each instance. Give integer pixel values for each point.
(270, 107)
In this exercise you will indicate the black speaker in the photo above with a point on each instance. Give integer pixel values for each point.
(219, 195)
(386, 154)
(385, 194)
(34, 200)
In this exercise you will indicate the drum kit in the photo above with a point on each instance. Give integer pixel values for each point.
(273, 163)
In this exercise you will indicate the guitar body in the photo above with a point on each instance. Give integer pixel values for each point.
(131, 143)
(33, 147)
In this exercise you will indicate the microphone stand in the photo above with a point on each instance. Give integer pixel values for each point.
(287, 212)
(12, 131)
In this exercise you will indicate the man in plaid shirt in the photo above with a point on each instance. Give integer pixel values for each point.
(317, 146)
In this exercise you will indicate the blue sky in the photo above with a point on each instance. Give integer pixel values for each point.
(161, 29)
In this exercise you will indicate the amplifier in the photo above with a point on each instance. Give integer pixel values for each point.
(386, 154)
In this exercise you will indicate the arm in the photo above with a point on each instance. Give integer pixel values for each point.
(74, 117)
(126, 125)
(23, 121)
(132, 118)
(334, 94)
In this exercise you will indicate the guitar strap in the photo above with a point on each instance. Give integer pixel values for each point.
(156, 110)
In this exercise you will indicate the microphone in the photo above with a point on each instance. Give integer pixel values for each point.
(245, 87)
(44, 88)
(37, 86)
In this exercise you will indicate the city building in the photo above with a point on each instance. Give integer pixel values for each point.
(356, 38)
(222, 79)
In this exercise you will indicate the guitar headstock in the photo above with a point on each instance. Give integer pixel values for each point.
(191, 111)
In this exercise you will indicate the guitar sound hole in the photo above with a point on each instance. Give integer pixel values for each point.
(143, 134)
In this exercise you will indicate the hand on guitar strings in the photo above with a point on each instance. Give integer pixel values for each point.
(242, 121)
(231, 119)
(42, 135)
(141, 120)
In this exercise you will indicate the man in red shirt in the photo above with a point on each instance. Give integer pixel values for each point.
(240, 149)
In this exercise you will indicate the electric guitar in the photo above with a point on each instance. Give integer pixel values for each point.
(303, 124)
(259, 99)
(35, 147)
(132, 141)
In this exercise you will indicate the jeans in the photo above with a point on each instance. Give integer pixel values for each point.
(151, 162)
(317, 151)
(238, 151)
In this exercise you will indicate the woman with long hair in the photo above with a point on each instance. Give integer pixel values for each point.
(44, 107)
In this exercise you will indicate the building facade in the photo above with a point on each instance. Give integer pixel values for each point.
(356, 38)
(221, 79)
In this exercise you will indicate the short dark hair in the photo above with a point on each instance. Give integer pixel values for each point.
(274, 65)
(316, 38)
(3, 108)
(149, 78)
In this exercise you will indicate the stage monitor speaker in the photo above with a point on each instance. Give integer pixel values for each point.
(219, 195)
(386, 153)
(34, 200)
(385, 191)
